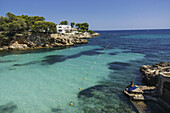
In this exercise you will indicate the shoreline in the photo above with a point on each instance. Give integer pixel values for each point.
(40, 41)
(156, 89)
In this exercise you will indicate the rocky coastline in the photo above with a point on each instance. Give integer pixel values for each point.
(42, 40)
(150, 74)
(157, 88)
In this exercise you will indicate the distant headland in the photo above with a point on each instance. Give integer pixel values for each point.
(32, 32)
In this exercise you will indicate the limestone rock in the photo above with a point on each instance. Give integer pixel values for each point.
(17, 46)
(150, 74)
(1, 49)
(95, 34)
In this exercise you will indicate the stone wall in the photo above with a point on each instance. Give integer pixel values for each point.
(164, 87)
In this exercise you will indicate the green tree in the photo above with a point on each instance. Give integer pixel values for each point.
(83, 26)
(3, 21)
(17, 26)
(42, 26)
(78, 25)
(64, 22)
(72, 24)
(31, 20)
(11, 17)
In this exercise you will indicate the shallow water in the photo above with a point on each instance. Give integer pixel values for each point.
(47, 80)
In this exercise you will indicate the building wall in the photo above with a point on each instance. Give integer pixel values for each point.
(63, 28)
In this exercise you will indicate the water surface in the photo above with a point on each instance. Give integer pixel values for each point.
(47, 80)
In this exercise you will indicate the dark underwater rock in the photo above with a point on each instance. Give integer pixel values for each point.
(6, 61)
(56, 110)
(89, 91)
(8, 108)
(118, 65)
(103, 99)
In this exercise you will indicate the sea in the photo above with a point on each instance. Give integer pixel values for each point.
(85, 78)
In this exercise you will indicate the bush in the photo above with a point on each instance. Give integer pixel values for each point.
(91, 32)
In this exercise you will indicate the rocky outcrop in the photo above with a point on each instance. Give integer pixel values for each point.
(17, 46)
(150, 74)
(42, 40)
(95, 34)
(158, 76)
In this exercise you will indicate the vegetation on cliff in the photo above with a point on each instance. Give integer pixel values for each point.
(11, 24)
(25, 32)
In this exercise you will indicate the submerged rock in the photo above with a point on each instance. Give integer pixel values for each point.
(104, 98)
(56, 110)
(8, 108)
(89, 91)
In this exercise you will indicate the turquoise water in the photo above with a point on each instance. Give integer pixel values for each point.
(47, 80)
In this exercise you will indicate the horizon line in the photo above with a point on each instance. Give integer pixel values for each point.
(132, 29)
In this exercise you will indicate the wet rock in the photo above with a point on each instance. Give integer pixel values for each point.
(8, 108)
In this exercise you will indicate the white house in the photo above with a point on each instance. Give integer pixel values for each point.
(63, 28)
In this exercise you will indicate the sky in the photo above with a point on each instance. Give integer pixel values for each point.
(100, 14)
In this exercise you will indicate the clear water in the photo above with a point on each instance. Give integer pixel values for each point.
(47, 80)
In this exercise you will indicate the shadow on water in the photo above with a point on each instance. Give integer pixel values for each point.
(25, 64)
(108, 95)
(118, 65)
(8, 108)
(43, 50)
(7, 61)
(52, 59)
(106, 100)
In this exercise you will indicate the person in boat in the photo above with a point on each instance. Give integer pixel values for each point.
(131, 87)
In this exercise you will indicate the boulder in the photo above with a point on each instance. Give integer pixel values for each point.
(17, 46)
(95, 34)
(5, 47)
